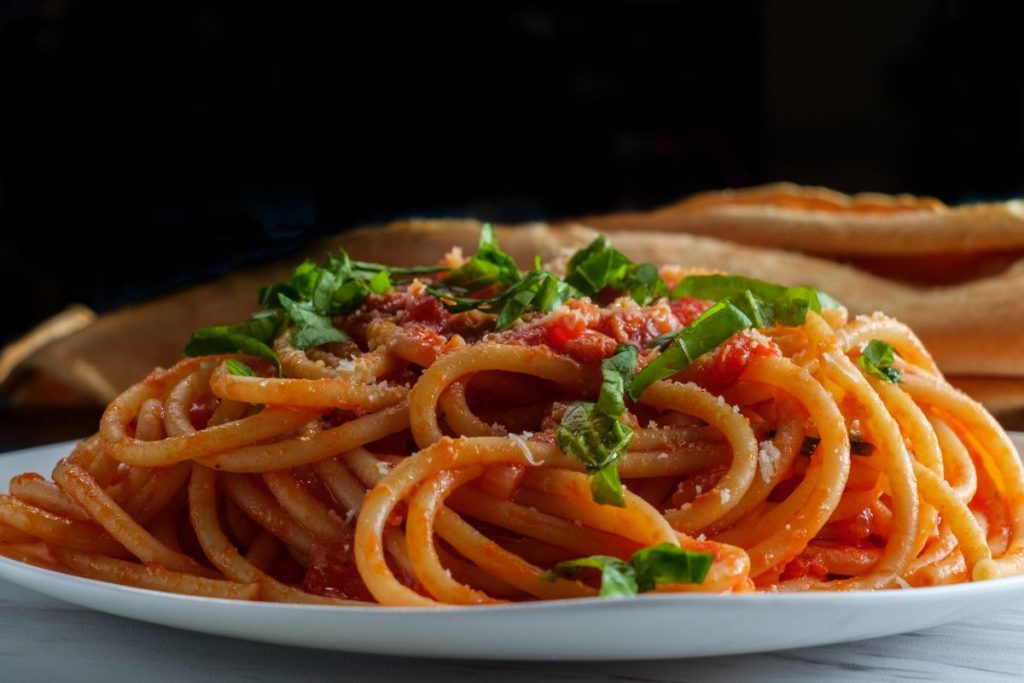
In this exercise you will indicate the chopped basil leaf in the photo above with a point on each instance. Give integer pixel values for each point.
(309, 327)
(368, 270)
(252, 337)
(237, 367)
(538, 290)
(347, 298)
(719, 287)
(380, 283)
(598, 266)
(326, 285)
(489, 266)
(305, 303)
(598, 271)
(666, 563)
(606, 487)
(662, 340)
(618, 578)
(599, 244)
(598, 441)
(877, 359)
(616, 373)
(592, 433)
(646, 569)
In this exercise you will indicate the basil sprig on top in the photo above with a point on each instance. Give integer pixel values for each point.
(491, 268)
(252, 337)
(646, 569)
(304, 304)
(877, 358)
(592, 432)
(598, 266)
(743, 303)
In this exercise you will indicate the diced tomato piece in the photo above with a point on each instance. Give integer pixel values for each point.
(427, 309)
(687, 309)
(723, 367)
(565, 329)
(637, 326)
(591, 347)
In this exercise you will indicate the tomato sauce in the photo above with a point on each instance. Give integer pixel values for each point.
(564, 330)
(332, 570)
(591, 347)
(200, 412)
(422, 311)
(803, 566)
(723, 367)
(855, 531)
(638, 326)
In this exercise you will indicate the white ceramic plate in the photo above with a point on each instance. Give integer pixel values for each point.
(647, 627)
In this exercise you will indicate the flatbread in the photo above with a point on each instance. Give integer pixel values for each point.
(820, 221)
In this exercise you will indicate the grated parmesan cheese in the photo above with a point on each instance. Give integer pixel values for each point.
(663, 456)
(725, 494)
(521, 442)
(768, 456)
(345, 365)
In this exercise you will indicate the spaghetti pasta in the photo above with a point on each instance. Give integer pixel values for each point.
(470, 434)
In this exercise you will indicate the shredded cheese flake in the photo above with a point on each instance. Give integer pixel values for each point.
(768, 456)
(521, 442)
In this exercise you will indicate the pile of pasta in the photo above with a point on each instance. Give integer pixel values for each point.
(417, 469)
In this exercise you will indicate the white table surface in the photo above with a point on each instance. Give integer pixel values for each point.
(42, 639)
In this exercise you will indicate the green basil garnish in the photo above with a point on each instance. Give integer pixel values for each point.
(646, 569)
(877, 359)
(593, 434)
(237, 367)
(598, 266)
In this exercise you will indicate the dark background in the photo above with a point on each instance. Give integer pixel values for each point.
(146, 145)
